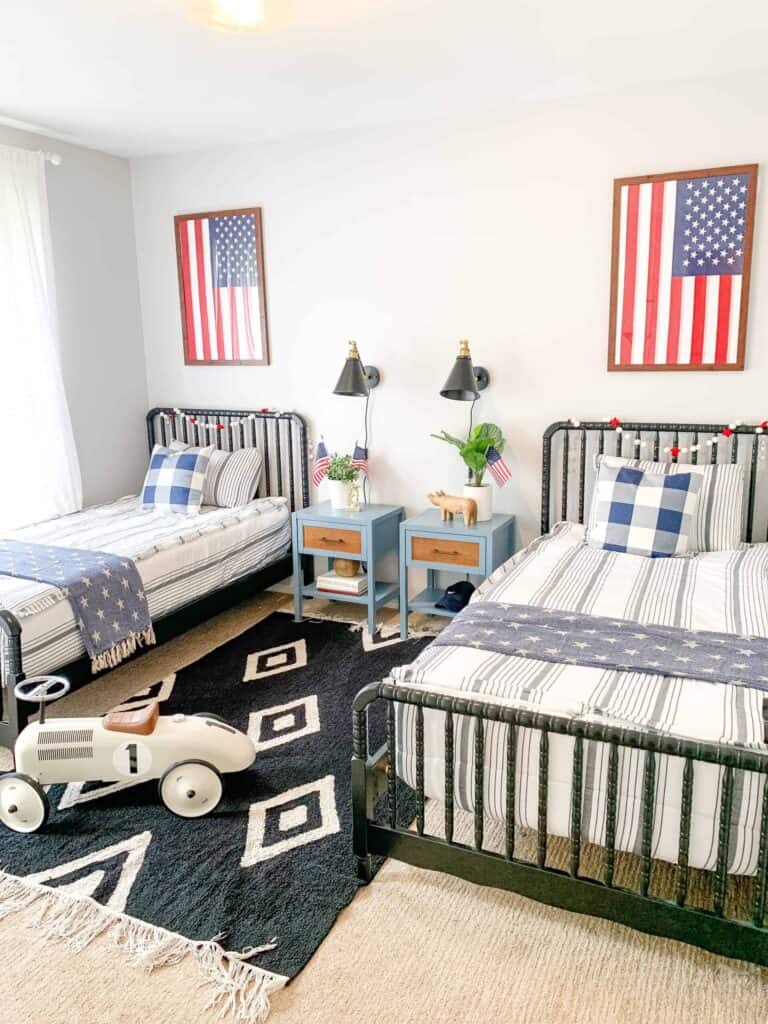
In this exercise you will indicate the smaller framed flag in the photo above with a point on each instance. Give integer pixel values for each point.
(220, 258)
(680, 269)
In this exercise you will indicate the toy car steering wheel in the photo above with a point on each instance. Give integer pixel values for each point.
(41, 689)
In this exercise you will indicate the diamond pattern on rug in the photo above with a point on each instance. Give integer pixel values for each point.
(388, 636)
(295, 818)
(157, 691)
(85, 792)
(284, 723)
(275, 660)
(115, 870)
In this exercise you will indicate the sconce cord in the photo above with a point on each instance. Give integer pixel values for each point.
(471, 414)
(365, 446)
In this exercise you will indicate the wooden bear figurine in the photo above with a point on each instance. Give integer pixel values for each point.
(451, 505)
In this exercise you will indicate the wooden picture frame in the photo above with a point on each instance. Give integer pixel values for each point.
(222, 287)
(660, 320)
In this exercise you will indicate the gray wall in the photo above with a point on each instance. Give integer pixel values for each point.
(94, 255)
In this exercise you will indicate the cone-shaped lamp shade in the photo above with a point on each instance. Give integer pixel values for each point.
(356, 380)
(465, 381)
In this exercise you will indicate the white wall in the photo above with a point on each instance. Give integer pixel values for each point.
(94, 254)
(412, 239)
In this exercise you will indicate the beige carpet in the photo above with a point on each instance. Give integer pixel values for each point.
(414, 946)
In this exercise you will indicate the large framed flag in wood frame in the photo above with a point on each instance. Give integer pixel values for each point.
(680, 269)
(220, 259)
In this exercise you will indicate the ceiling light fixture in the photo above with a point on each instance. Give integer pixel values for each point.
(236, 15)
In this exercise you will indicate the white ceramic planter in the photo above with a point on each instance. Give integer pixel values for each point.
(340, 493)
(481, 495)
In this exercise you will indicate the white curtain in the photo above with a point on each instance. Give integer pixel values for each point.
(39, 470)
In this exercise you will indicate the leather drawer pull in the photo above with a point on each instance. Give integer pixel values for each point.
(437, 551)
(332, 540)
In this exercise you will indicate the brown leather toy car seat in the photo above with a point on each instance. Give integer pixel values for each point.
(140, 723)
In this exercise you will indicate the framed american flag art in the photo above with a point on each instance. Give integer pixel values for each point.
(220, 259)
(680, 268)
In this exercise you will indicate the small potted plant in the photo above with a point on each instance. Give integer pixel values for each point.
(342, 482)
(474, 452)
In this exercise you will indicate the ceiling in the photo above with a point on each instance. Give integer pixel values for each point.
(138, 77)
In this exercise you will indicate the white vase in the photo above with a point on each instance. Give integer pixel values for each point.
(482, 497)
(340, 493)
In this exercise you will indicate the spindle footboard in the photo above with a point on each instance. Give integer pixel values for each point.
(569, 452)
(374, 777)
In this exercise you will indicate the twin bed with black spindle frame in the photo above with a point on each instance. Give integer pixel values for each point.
(567, 480)
(282, 439)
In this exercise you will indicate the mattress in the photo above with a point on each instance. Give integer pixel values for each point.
(179, 558)
(726, 591)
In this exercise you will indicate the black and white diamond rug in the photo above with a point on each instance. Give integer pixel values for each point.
(271, 867)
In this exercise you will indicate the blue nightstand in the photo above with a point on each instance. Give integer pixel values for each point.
(436, 546)
(363, 536)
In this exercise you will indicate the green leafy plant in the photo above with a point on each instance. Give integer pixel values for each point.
(474, 450)
(340, 468)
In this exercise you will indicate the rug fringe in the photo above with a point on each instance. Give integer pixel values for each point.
(239, 991)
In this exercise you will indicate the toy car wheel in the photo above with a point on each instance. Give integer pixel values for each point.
(23, 804)
(191, 789)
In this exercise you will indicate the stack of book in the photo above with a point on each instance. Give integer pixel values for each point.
(333, 584)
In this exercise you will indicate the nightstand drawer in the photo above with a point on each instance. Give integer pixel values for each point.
(445, 551)
(330, 538)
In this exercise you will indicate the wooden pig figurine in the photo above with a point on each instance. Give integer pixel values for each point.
(451, 505)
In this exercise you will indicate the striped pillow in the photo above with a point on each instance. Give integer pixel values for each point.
(232, 478)
(717, 523)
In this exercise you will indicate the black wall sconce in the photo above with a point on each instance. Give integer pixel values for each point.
(465, 381)
(356, 380)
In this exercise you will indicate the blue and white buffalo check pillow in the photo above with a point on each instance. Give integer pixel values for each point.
(174, 480)
(643, 513)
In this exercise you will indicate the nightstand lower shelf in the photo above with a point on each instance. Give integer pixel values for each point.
(425, 602)
(383, 592)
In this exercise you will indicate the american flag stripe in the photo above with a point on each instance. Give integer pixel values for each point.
(185, 275)
(654, 261)
(202, 289)
(194, 277)
(673, 335)
(677, 301)
(665, 273)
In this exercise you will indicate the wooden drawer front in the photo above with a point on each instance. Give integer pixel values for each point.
(330, 538)
(445, 550)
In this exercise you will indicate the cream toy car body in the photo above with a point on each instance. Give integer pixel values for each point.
(187, 754)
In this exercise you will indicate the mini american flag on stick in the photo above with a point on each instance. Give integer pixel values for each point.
(360, 459)
(682, 248)
(498, 468)
(320, 467)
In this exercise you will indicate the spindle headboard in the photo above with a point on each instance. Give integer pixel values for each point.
(569, 450)
(281, 437)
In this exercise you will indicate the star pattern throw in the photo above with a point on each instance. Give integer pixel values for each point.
(104, 590)
(571, 638)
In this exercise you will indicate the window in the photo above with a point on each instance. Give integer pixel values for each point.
(39, 470)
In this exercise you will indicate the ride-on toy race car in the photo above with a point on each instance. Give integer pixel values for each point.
(186, 753)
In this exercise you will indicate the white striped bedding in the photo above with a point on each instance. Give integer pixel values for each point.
(725, 591)
(179, 558)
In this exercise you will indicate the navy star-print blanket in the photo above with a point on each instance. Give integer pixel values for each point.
(104, 590)
(572, 638)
